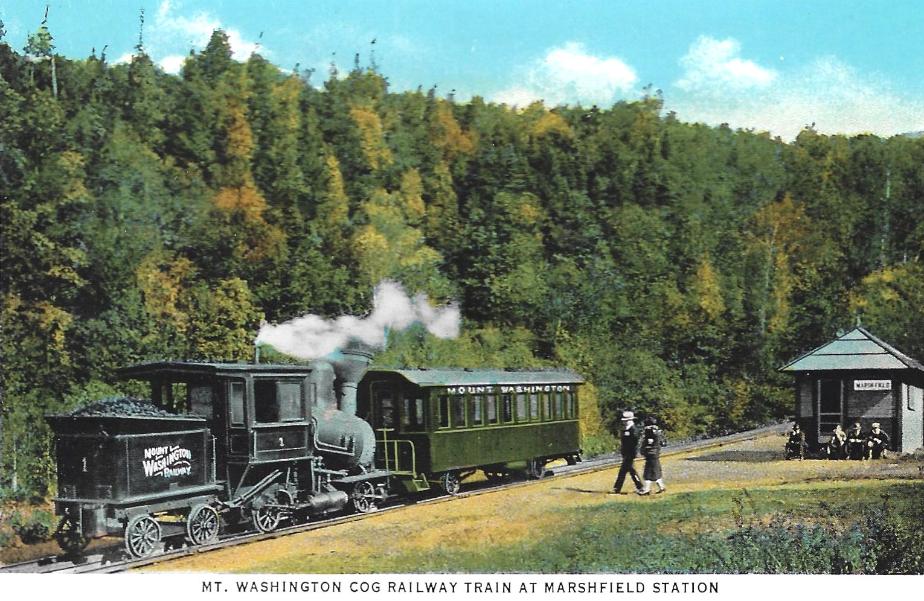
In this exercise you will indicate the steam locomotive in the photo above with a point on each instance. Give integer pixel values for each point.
(255, 445)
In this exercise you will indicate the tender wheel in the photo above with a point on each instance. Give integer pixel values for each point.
(202, 525)
(69, 537)
(535, 468)
(142, 536)
(450, 483)
(363, 497)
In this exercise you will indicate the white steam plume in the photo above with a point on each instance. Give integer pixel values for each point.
(311, 336)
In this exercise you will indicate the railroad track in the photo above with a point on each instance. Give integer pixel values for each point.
(111, 559)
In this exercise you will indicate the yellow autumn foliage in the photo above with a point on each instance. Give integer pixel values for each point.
(412, 196)
(707, 291)
(244, 199)
(371, 137)
(448, 135)
(551, 123)
(162, 280)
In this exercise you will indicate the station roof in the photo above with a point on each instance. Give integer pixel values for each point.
(482, 377)
(856, 350)
(204, 368)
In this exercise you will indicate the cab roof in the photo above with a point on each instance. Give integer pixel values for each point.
(156, 369)
(481, 377)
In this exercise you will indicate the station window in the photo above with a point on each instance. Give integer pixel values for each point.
(507, 401)
(236, 403)
(491, 408)
(412, 414)
(443, 411)
(277, 401)
(522, 416)
(475, 415)
(533, 406)
(547, 406)
(458, 411)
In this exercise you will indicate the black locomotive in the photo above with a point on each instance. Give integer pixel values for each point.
(257, 444)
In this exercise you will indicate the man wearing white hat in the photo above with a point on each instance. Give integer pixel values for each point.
(628, 446)
(877, 442)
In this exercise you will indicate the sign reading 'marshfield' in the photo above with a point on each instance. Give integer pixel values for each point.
(872, 384)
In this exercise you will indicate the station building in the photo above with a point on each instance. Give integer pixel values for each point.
(859, 377)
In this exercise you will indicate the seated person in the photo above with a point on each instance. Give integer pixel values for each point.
(856, 442)
(877, 442)
(837, 446)
(795, 446)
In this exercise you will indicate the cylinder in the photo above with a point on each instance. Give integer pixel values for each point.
(327, 501)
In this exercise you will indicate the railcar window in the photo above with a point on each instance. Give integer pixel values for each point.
(458, 411)
(443, 410)
(572, 404)
(277, 401)
(522, 416)
(412, 414)
(547, 406)
(475, 414)
(201, 400)
(236, 403)
(559, 405)
(491, 408)
(508, 407)
(533, 406)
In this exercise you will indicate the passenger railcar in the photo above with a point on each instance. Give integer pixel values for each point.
(442, 425)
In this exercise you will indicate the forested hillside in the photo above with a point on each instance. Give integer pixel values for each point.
(675, 265)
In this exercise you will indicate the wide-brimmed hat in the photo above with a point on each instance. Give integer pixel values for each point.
(627, 415)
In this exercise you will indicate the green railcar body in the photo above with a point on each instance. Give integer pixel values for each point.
(430, 422)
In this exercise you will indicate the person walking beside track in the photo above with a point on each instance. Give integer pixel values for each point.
(628, 447)
(652, 441)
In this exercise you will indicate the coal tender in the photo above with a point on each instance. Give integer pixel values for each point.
(217, 444)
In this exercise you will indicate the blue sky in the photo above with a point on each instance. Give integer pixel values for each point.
(847, 66)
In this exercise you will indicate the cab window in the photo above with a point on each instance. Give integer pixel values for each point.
(277, 401)
(236, 403)
(201, 400)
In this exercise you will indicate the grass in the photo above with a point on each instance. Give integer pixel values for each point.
(711, 531)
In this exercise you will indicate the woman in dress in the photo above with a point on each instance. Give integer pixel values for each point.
(652, 440)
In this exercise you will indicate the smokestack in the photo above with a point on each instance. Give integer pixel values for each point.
(350, 370)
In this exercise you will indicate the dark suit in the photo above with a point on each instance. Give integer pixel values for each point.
(628, 447)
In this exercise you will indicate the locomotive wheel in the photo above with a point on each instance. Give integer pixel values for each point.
(363, 497)
(266, 519)
(451, 483)
(202, 525)
(535, 468)
(69, 537)
(142, 536)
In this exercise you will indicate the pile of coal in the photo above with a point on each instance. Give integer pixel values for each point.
(121, 406)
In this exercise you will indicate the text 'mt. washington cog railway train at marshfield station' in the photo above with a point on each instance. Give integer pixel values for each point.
(223, 444)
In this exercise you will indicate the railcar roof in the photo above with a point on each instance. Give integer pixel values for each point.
(481, 377)
(858, 349)
(205, 368)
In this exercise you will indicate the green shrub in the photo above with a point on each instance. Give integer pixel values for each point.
(38, 527)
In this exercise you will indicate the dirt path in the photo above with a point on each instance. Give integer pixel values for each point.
(508, 516)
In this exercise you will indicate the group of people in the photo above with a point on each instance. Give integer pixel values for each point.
(852, 444)
(647, 441)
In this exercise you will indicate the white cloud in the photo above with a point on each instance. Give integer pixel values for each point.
(827, 92)
(196, 30)
(172, 63)
(125, 59)
(711, 62)
(570, 75)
